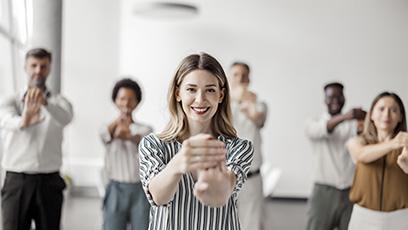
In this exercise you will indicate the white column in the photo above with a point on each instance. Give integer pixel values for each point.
(46, 31)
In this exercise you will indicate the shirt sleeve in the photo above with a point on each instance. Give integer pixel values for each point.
(60, 110)
(10, 119)
(240, 155)
(352, 129)
(105, 135)
(263, 108)
(142, 130)
(316, 129)
(151, 163)
(148, 131)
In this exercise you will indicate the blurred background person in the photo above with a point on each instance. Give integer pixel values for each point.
(380, 186)
(249, 116)
(329, 204)
(125, 202)
(33, 122)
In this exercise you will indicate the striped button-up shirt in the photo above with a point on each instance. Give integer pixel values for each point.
(185, 211)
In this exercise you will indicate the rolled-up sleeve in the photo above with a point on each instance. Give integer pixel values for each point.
(262, 108)
(151, 163)
(105, 135)
(60, 110)
(316, 129)
(347, 129)
(10, 119)
(142, 130)
(239, 159)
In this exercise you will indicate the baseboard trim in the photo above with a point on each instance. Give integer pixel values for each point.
(277, 198)
(92, 191)
(84, 191)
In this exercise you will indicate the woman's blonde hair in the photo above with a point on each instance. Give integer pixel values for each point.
(370, 134)
(221, 122)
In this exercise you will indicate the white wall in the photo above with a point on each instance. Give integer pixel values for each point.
(6, 79)
(89, 68)
(294, 47)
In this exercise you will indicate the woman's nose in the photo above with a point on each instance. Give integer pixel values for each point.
(200, 96)
(387, 112)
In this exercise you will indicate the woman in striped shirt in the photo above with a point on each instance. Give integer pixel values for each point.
(193, 170)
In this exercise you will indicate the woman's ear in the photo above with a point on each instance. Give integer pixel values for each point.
(222, 93)
(177, 94)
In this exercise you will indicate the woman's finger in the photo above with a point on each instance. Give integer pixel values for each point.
(201, 186)
(204, 140)
(203, 165)
(208, 151)
(206, 158)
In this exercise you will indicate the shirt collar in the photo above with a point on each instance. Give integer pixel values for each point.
(221, 137)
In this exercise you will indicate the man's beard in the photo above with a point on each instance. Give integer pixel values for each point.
(38, 83)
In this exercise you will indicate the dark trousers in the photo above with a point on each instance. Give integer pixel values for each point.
(329, 208)
(27, 197)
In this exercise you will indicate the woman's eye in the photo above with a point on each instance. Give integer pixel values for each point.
(211, 90)
(190, 89)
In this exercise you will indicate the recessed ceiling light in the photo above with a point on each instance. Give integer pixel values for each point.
(165, 10)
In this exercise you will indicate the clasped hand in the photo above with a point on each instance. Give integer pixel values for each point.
(204, 157)
(120, 127)
(200, 152)
(401, 141)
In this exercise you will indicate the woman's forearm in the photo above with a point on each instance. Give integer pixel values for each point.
(164, 185)
(373, 152)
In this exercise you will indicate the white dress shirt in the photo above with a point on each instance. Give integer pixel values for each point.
(37, 148)
(122, 156)
(333, 164)
(248, 130)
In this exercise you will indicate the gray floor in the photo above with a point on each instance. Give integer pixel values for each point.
(84, 213)
(285, 214)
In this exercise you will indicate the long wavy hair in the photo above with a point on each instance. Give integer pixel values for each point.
(221, 122)
(370, 134)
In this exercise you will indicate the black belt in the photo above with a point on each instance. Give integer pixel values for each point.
(31, 175)
(253, 173)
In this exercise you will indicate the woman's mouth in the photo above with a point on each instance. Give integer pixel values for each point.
(200, 110)
(387, 121)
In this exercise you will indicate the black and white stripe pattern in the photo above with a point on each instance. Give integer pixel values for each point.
(185, 212)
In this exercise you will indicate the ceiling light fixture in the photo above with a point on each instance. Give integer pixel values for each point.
(165, 10)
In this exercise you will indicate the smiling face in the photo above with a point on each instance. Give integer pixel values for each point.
(126, 100)
(334, 100)
(386, 114)
(200, 94)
